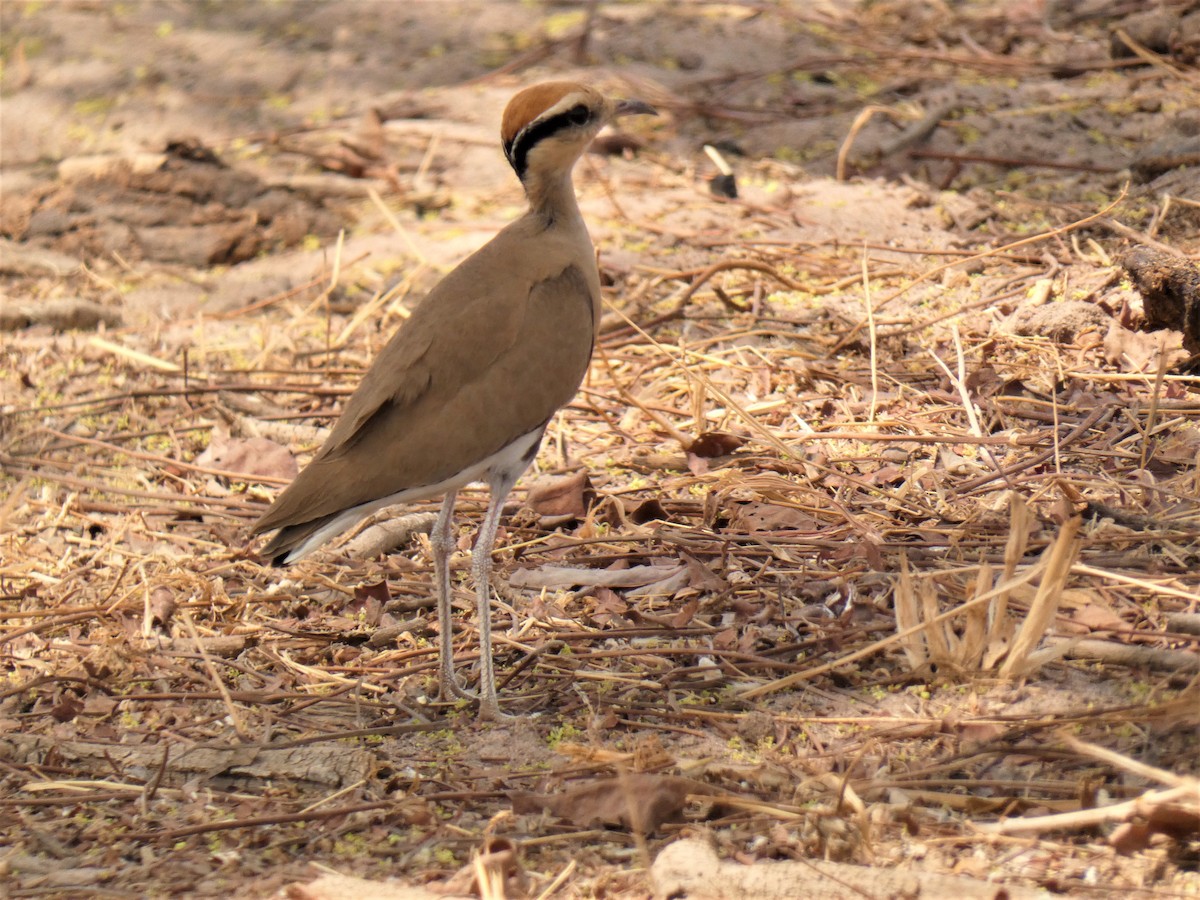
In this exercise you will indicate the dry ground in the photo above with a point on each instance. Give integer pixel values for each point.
(821, 414)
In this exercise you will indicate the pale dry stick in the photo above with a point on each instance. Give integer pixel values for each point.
(1094, 416)
(606, 186)
(1155, 397)
(1145, 54)
(397, 227)
(874, 336)
(1101, 254)
(491, 872)
(323, 678)
(908, 614)
(699, 402)
(1084, 569)
(163, 460)
(972, 410)
(937, 270)
(368, 310)
(689, 291)
(966, 308)
(1137, 657)
(1054, 412)
(752, 423)
(335, 276)
(279, 297)
(1019, 521)
(329, 798)
(1118, 761)
(559, 880)
(959, 382)
(860, 121)
(14, 498)
(427, 160)
(628, 397)
(1135, 235)
(1021, 657)
(1179, 797)
(1160, 216)
(797, 677)
(323, 297)
(80, 786)
(641, 845)
(718, 160)
(235, 715)
(134, 356)
(979, 440)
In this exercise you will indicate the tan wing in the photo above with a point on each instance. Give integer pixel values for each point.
(471, 371)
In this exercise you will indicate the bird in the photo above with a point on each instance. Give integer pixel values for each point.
(464, 389)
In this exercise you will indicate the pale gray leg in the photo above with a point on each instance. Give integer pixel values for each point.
(442, 541)
(501, 483)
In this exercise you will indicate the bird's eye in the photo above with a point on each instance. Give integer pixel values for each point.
(578, 115)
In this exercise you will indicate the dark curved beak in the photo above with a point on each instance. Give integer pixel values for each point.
(633, 108)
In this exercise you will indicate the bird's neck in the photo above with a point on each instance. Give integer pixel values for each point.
(552, 198)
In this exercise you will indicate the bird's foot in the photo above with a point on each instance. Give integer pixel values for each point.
(489, 711)
(489, 706)
(450, 689)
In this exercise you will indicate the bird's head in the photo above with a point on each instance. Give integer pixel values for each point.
(548, 126)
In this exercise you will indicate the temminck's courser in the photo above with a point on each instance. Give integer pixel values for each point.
(465, 388)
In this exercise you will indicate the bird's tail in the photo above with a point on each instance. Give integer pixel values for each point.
(294, 542)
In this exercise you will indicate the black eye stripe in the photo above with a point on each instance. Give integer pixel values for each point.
(518, 149)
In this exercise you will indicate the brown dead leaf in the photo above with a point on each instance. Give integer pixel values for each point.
(701, 577)
(610, 602)
(162, 607)
(675, 581)
(638, 803)
(610, 608)
(887, 475)
(1138, 351)
(1098, 618)
(711, 444)
(974, 733)
(757, 516)
(66, 708)
(369, 601)
(649, 511)
(567, 495)
(251, 457)
(1175, 820)
(1181, 447)
(697, 465)
(684, 617)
